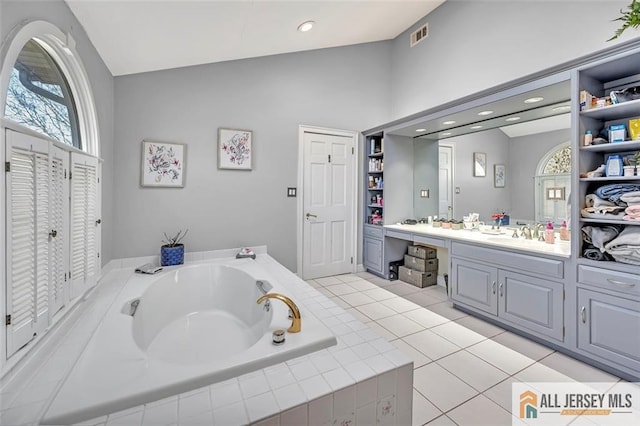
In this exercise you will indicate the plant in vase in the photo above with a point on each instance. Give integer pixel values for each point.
(172, 252)
(633, 161)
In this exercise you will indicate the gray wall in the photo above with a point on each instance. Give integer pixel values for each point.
(342, 88)
(477, 194)
(525, 153)
(475, 45)
(57, 13)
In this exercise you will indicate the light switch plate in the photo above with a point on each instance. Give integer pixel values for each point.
(424, 193)
(291, 192)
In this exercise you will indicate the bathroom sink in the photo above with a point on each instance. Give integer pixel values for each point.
(493, 232)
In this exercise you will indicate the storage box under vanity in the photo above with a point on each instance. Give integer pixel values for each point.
(422, 252)
(421, 265)
(418, 278)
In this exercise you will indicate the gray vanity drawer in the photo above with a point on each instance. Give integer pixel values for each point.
(430, 241)
(612, 280)
(398, 234)
(374, 232)
(505, 259)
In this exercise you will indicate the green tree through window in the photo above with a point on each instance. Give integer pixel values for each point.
(39, 96)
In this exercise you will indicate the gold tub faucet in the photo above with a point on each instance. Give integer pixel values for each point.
(296, 323)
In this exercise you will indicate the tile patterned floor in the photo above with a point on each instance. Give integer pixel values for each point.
(463, 366)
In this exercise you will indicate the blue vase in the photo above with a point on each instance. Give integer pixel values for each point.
(172, 255)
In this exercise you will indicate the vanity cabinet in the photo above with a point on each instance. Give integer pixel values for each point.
(609, 329)
(373, 249)
(500, 288)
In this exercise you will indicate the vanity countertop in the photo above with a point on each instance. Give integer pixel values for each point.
(559, 248)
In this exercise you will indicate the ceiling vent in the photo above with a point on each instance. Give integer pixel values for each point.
(420, 34)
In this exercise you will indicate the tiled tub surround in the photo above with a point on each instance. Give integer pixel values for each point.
(194, 325)
(363, 379)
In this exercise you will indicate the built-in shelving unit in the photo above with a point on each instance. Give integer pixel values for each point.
(375, 179)
(607, 292)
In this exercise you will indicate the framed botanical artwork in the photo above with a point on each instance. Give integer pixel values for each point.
(479, 164)
(235, 150)
(163, 164)
(499, 175)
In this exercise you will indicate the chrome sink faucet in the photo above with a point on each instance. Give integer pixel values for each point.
(537, 229)
(526, 232)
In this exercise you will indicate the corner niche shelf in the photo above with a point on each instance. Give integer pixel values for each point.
(613, 147)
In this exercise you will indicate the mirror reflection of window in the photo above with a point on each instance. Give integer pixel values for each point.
(553, 185)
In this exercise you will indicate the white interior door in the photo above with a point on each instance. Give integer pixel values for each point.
(445, 179)
(328, 204)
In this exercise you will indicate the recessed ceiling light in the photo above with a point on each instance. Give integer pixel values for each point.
(513, 119)
(305, 26)
(421, 130)
(562, 108)
(446, 123)
(533, 100)
(487, 112)
(445, 134)
(476, 127)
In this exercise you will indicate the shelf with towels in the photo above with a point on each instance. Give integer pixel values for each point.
(609, 178)
(610, 221)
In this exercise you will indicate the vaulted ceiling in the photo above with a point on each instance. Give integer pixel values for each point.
(134, 36)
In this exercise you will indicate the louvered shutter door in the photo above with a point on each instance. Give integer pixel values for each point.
(27, 238)
(59, 210)
(83, 223)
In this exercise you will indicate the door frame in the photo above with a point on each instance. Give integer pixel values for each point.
(302, 129)
(453, 175)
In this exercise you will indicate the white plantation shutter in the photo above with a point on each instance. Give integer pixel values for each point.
(59, 209)
(27, 238)
(84, 213)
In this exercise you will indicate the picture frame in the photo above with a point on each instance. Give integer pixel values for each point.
(499, 175)
(479, 164)
(163, 164)
(235, 149)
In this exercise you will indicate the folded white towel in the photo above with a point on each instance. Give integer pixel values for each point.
(631, 198)
(625, 247)
(592, 200)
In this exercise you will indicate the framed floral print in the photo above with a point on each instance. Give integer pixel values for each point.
(499, 175)
(479, 164)
(235, 150)
(163, 164)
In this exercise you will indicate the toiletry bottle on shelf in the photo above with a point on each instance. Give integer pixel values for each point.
(614, 165)
(588, 138)
(549, 235)
(564, 232)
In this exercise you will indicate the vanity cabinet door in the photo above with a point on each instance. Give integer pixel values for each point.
(531, 303)
(475, 284)
(373, 255)
(609, 328)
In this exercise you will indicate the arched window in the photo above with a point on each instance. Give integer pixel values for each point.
(553, 185)
(39, 96)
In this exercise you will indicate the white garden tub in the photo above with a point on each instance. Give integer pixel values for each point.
(186, 328)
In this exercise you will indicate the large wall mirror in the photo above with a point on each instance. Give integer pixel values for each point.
(518, 137)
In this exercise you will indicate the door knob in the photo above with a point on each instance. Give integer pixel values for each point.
(53, 233)
(310, 215)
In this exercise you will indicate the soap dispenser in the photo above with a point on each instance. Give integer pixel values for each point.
(549, 235)
(564, 232)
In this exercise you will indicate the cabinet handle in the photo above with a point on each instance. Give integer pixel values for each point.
(53, 233)
(621, 283)
(501, 285)
(583, 314)
(493, 287)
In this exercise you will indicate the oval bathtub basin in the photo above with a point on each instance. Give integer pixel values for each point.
(206, 320)
(188, 327)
